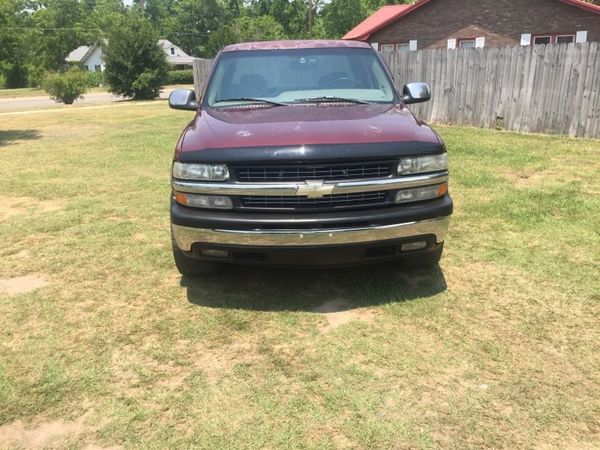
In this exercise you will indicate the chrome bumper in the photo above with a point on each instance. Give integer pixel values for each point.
(186, 236)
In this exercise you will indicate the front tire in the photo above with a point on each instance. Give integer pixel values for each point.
(191, 267)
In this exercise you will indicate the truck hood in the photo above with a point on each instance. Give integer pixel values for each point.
(303, 125)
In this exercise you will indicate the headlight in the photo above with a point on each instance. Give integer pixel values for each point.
(204, 201)
(423, 164)
(421, 193)
(200, 172)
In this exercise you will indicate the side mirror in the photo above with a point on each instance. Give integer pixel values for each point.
(416, 93)
(183, 99)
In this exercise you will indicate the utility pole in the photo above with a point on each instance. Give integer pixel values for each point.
(310, 17)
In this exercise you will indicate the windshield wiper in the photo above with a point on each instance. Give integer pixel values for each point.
(249, 99)
(331, 99)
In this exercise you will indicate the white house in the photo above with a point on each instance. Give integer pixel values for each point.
(175, 56)
(90, 57)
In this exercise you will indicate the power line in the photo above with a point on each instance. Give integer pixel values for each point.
(182, 33)
(53, 29)
(190, 34)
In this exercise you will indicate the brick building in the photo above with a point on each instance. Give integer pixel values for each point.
(478, 23)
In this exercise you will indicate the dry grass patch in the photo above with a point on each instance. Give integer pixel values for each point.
(338, 312)
(44, 434)
(22, 285)
(12, 206)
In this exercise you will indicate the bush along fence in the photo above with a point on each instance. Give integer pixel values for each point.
(544, 88)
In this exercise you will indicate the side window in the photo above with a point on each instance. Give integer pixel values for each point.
(401, 48)
(542, 40)
(466, 43)
(565, 39)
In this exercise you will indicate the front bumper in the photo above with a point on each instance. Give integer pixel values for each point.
(311, 239)
(186, 237)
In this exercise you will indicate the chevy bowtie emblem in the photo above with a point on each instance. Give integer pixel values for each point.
(315, 189)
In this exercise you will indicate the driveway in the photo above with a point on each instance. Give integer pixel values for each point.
(41, 102)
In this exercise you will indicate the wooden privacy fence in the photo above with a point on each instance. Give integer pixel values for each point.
(545, 88)
(550, 89)
(201, 71)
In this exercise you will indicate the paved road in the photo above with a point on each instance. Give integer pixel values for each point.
(33, 103)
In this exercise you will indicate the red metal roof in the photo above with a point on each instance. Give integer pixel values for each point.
(286, 45)
(583, 5)
(380, 18)
(388, 14)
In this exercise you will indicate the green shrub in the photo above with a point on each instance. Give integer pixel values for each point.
(66, 87)
(35, 75)
(95, 79)
(185, 76)
(135, 65)
(147, 81)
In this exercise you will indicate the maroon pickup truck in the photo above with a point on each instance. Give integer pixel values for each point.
(302, 153)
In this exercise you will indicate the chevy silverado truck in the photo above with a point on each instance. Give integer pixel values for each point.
(303, 153)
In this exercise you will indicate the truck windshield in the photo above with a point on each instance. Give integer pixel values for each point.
(295, 76)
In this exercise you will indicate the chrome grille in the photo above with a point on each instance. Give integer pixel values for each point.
(302, 172)
(327, 201)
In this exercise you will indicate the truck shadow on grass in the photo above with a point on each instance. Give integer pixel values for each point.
(11, 136)
(262, 289)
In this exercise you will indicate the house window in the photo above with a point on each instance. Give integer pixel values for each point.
(98, 68)
(172, 51)
(385, 48)
(466, 43)
(565, 39)
(401, 48)
(554, 39)
(542, 40)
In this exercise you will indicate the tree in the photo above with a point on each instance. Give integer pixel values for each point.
(194, 21)
(292, 15)
(136, 66)
(13, 42)
(245, 29)
(101, 18)
(340, 16)
(57, 30)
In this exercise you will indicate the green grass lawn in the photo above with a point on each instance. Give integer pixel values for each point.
(497, 348)
(21, 92)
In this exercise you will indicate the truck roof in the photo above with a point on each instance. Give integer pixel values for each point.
(286, 45)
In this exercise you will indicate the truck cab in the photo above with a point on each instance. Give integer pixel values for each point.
(303, 153)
